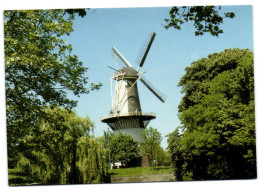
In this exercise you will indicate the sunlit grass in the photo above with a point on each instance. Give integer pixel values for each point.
(140, 171)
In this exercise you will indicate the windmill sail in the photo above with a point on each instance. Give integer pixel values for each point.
(155, 91)
(119, 57)
(147, 49)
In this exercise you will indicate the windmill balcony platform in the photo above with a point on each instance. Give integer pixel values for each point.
(130, 120)
(141, 115)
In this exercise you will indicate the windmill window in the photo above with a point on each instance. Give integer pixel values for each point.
(132, 100)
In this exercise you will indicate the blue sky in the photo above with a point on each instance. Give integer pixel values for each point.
(171, 52)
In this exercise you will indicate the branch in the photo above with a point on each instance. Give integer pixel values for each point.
(184, 9)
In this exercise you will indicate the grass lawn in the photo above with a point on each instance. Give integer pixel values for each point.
(18, 178)
(139, 171)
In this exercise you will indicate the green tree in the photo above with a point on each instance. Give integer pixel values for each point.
(152, 140)
(206, 19)
(106, 139)
(62, 151)
(217, 113)
(196, 81)
(124, 149)
(39, 69)
(91, 161)
(175, 150)
(163, 157)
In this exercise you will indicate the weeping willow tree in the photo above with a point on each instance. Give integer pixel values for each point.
(63, 151)
(91, 161)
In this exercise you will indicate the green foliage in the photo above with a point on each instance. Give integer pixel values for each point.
(196, 81)
(80, 12)
(91, 161)
(39, 69)
(18, 178)
(123, 148)
(218, 117)
(206, 19)
(163, 158)
(174, 149)
(152, 140)
(62, 151)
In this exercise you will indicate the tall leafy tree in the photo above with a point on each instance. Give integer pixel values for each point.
(175, 150)
(196, 81)
(163, 158)
(206, 19)
(39, 68)
(218, 117)
(152, 140)
(91, 161)
(62, 151)
(123, 148)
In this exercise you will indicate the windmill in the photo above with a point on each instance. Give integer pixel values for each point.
(126, 115)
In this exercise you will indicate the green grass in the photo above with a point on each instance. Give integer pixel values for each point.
(139, 171)
(16, 177)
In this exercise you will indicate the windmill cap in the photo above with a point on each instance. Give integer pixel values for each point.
(127, 72)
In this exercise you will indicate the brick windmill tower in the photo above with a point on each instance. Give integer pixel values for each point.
(126, 115)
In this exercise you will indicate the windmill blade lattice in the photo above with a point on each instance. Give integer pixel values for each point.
(119, 57)
(145, 49)
(161, 96)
